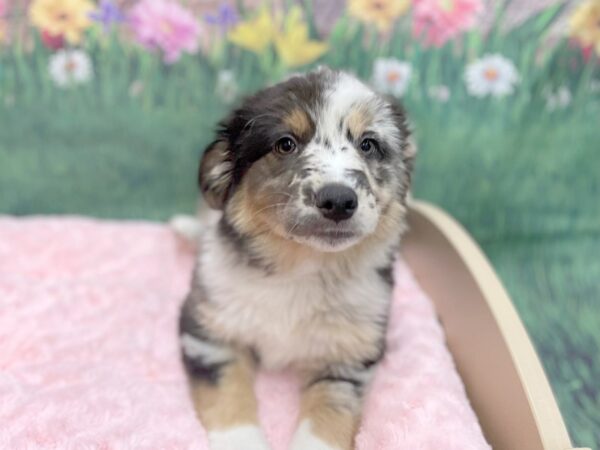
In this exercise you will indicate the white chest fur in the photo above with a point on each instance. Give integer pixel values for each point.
(311, 315)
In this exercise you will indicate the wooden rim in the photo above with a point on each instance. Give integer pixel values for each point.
(488, 322)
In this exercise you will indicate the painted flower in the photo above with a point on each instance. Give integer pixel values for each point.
(107, 14)
(587, 51)
(292, 42)
(391, 76)
(225, 17)
(226, 87)
(381, 13)
(255, 34)
(136, 88)
(51, 41)
(438, 21)
(584, 24)
(492, 75)
(70, 67)
(293, 45)
(166, 26)
(439, 93)
(559, 99)
(3, 14)
(67, 18)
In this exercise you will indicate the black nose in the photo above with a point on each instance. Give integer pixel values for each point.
(337, 202)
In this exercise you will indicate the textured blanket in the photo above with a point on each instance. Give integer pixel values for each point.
(89, 355)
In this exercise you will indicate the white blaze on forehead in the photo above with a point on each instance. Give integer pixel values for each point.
(345, 95)
(333, 163)
(346, 92)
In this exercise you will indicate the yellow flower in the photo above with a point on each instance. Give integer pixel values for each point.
(68, 18)
(293, 45)
(254, 34)
(585, 24)
(381, 13)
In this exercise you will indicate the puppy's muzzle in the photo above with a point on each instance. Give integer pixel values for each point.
(336, 202)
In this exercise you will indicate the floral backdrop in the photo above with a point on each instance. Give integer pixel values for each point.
(106, 105)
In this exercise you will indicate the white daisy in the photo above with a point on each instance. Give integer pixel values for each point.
(391, 76)
(136, 88)
(559, 99)
(492, 75)
(439, 93)
(70, 67)
(227, 87)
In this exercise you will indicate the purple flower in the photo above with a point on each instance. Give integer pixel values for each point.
(107, 14)
(225, 17)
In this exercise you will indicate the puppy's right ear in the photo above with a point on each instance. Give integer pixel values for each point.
(216, 173)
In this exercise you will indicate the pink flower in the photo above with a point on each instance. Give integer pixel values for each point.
(52, 41)
(437, 21)
(166, 26)
(3, 22)
(587, 51)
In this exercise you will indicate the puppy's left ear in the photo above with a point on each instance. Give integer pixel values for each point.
(216, 173)
(409, 149)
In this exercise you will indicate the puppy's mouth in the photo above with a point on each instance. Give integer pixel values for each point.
(323, 234)
(332, 234)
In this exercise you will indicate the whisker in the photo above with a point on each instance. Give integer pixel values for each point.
(280, 193)
(295, 225)
(269, 206)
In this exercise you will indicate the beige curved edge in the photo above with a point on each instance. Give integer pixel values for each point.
(504, 379)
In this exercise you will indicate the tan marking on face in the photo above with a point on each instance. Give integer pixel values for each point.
(333, 413)
(255, 202)
(299, 123)
(253, 211)
(231, 401)
(358, 120)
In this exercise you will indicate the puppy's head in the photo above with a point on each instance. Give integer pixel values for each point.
(319, 159)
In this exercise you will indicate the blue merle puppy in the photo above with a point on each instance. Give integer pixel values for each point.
(308, 182)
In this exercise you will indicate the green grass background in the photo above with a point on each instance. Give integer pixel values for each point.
(524, 182)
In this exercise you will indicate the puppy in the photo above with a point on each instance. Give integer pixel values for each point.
(309, 180)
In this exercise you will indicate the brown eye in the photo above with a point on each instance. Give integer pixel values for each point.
(368, 145)
(285, 146)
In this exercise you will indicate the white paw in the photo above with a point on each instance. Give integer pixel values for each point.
(188, 227)
(305, 439)
(247, 437)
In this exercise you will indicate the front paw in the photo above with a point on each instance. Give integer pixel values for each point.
(246, 437)
(306, 439)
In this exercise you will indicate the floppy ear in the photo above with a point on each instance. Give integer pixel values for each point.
(409, 146)
(409, 150)
(216, 173)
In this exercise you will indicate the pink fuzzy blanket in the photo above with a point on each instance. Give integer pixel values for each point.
(89, 354)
